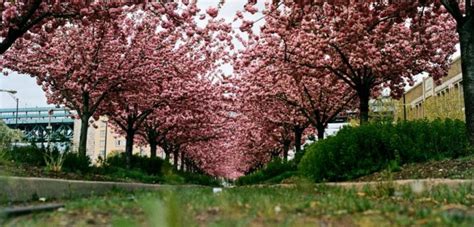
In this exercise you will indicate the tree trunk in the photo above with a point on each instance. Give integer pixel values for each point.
(83, 136)
(182, 161)
(364, 96)
(466, 37)
(321, 129)
(298, 136)
(167, 154)
(175, 158)
(153, 148)
(129, 147)
(286, 148)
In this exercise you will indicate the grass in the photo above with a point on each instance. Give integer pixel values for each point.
(302, 205)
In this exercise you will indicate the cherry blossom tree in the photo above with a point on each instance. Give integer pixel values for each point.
(76, 68)
(462, 11)
(363, 45)
(22, 19)
(173, 67)
(316, 97)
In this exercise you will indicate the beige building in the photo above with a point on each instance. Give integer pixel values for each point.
(102, 140)
(431, 100)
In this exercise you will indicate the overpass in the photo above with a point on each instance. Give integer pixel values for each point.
(34, 123)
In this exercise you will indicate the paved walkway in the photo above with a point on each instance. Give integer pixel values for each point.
(29, 188)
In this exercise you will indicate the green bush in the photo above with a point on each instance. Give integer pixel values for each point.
(200, 179)
(281, 177)
(120, 174)
(358, 151)
(30, 155)
(151, 166)
(76, 163)
(7, 136)
(272, 169)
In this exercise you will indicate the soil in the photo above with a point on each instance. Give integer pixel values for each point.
(462, 168)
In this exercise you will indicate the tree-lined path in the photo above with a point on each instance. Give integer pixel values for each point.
(155, 68)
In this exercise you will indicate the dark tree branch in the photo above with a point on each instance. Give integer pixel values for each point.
(452, 6)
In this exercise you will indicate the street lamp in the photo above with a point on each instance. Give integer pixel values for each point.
(12, 94)
(50, 129)
(105, 140)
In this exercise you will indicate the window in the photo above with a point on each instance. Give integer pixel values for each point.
(102, 143)
(118, 143)
(102, 133)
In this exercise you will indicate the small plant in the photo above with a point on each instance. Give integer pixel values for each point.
(387, 186)
(54, 163)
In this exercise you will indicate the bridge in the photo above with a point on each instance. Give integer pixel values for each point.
(34, 123)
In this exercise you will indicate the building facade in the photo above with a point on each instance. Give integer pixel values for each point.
(431, 100)
(103, 141)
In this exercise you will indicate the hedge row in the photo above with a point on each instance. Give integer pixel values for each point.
(274, 169)
(358, 151)
(143, 169)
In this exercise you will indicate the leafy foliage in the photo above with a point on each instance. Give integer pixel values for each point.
(273, 171)
(7, 135)
(27, 155)
(74, 162)
(200, 179)
(151, 166)
(358, 151)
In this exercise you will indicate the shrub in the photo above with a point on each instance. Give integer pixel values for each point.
(358, 151)
(200, 179)
(120, 174)
(152, 166)
(281, 177)
(76, 163)
(30, 155)
(7, 135)
(271, 170)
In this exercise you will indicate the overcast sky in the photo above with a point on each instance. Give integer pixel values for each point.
(31, 95)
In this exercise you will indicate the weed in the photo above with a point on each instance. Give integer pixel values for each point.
(54, 163)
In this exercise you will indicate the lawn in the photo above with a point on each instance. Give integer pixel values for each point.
(301, 205)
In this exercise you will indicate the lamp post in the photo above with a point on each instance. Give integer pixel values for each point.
(105, 142)
(50, 129)
(17, 100)
(404, 108)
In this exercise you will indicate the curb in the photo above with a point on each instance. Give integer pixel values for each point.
(422, 184)
(415, 184)
(16, 189)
